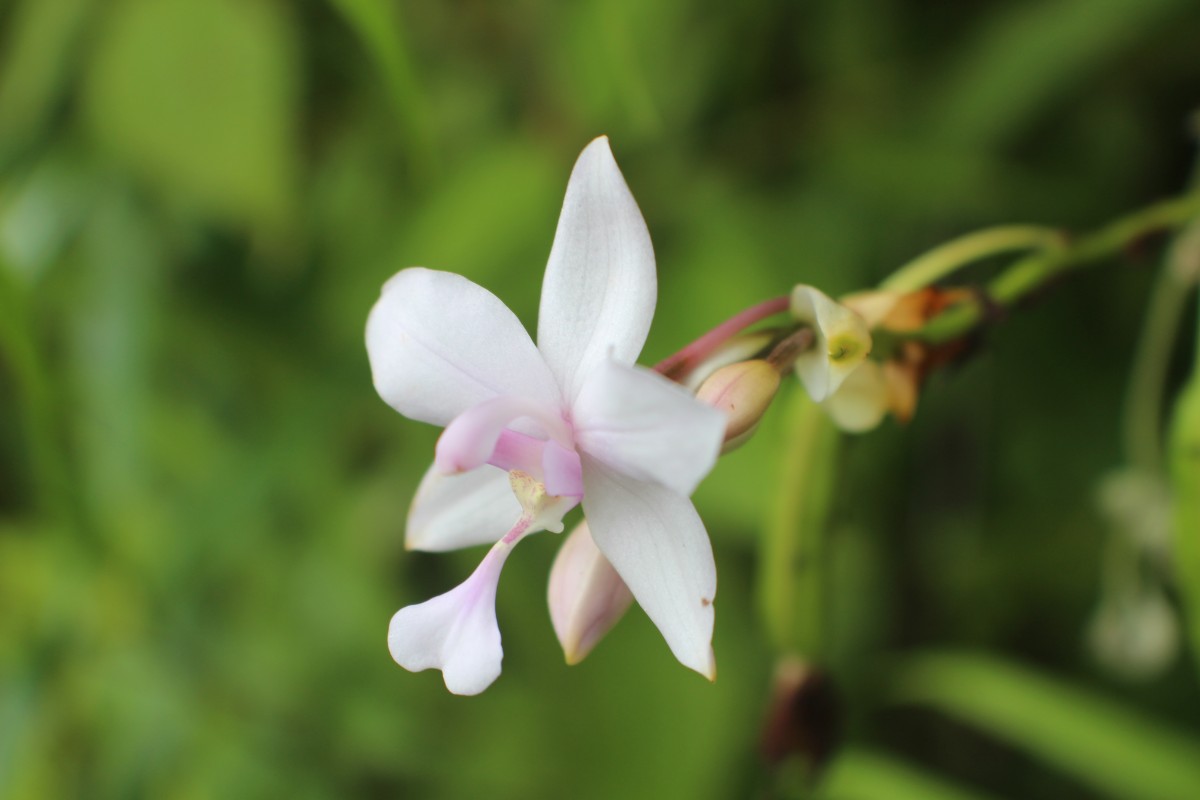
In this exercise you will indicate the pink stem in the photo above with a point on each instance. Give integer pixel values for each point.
(689, 356)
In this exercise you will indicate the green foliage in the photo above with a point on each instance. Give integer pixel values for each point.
(200, 95)
(1117, 751)
(202, 500)
(862, 775)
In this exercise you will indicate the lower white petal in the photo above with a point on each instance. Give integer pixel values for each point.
(655, 540)
(455, 632)
(453, 511)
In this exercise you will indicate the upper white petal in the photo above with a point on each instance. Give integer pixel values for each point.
(455, 632)
(600, 287)
(643, 425)
(439, 344)
(655, 540)
(453, 511)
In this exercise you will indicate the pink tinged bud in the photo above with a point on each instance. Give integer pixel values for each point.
(740, 348)
(586, 595)
(742, 392)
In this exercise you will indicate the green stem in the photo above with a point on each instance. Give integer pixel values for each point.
(1143, 424)
(939, 262)
(1184, 467)
(1033, 272)
(793, 548)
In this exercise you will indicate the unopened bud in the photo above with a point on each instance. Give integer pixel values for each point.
(739, 348)
(586, 595)
(804, 718)
(743, 392)
(904, 312)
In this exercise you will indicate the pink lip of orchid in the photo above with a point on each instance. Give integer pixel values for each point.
(530, 432)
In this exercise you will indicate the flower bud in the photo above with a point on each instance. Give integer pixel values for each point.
(586, 595)
(739, 348)
(903, 312)
(804, 718)
(743, 392)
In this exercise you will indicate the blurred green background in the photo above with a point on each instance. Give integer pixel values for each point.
(202, 498)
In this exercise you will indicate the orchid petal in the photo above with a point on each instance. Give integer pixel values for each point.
(861, 402)
(600, 287)
(645, 426)
(471, 438)
(842, 341)
(440, 344)
(517, 451)
(586, 596)
(453, 511)
(655, 540)
(455, 632)
(563, 474)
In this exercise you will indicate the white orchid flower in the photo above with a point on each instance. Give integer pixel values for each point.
(532, 431)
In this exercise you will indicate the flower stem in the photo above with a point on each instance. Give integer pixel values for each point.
(1034, 271)
(957, 253)
(1184, 467)
(678, 365)
(1143, 424)
(792, 560)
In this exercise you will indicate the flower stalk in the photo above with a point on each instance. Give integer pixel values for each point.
(792, 556)
(931, 267)
(1143, 424)
(1034, 271)
(1183, 461)
(678, 365)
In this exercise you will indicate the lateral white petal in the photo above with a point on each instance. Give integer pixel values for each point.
(439, 344)
(643, 425)
(453, 511)
(455, 632)
(655, 540)
(600, 287)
